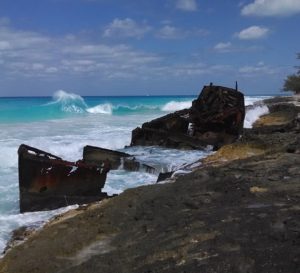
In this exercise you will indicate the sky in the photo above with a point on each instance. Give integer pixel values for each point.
(143, 47)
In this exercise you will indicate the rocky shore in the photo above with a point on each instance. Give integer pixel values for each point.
(237, 212)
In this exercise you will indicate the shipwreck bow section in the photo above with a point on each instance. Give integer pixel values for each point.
(215, 118)
(48, 182)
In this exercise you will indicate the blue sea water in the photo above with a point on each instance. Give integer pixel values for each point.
(64, 123)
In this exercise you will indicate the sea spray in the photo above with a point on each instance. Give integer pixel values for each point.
(69, 102)
(253, 113)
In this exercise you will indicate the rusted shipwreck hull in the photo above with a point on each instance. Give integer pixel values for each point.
(97, 155)
(215, 118)
(47, 182)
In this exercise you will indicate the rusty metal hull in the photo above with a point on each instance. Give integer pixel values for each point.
(116, 159)
(216, 118)
(48, 182)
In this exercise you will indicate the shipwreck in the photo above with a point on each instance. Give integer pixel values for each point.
(48, 182)
(215, 118)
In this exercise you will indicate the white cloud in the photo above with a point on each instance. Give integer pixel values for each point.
(228, 47)
(187, 5)
(20, 39)
(4, 45)
(253, 32)
(223, 47)
(170, 32)
(125, 28)
(51, 70)
(191, 69)
(259, 69)
(272, 8)
(30, 54)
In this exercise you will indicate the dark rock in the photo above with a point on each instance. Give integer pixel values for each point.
(131, 164)
(215, 118)
(164, 176)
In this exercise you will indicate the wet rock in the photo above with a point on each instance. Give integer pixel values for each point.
(131, 164)
(164, 176)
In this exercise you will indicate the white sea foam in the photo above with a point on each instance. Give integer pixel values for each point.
(106, 108)
(119, 180)
(176, 105)
(253, 114)
(164, 159)
(8, 156)
(253, 100)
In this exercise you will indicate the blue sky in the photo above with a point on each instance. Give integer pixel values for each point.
(142, 47)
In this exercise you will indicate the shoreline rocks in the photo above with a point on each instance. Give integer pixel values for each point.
(233, 214)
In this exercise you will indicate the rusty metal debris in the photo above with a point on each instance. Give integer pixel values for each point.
(215, 118)
(47, 182)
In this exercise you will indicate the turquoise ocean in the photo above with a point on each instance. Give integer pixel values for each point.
(64, 123)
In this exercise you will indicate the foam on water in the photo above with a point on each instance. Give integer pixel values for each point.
(119, 180)
(166, 160)
(253, 100)
(253, 114)
(106, 108)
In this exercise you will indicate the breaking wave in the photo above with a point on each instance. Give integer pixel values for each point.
(69, 102)
(110, 109)
(106, 108)
(73, 103)
(176, 106)
(66, 104)
(253, 113)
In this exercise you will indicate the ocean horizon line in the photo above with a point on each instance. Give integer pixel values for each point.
(141, 96)
(105, 96)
